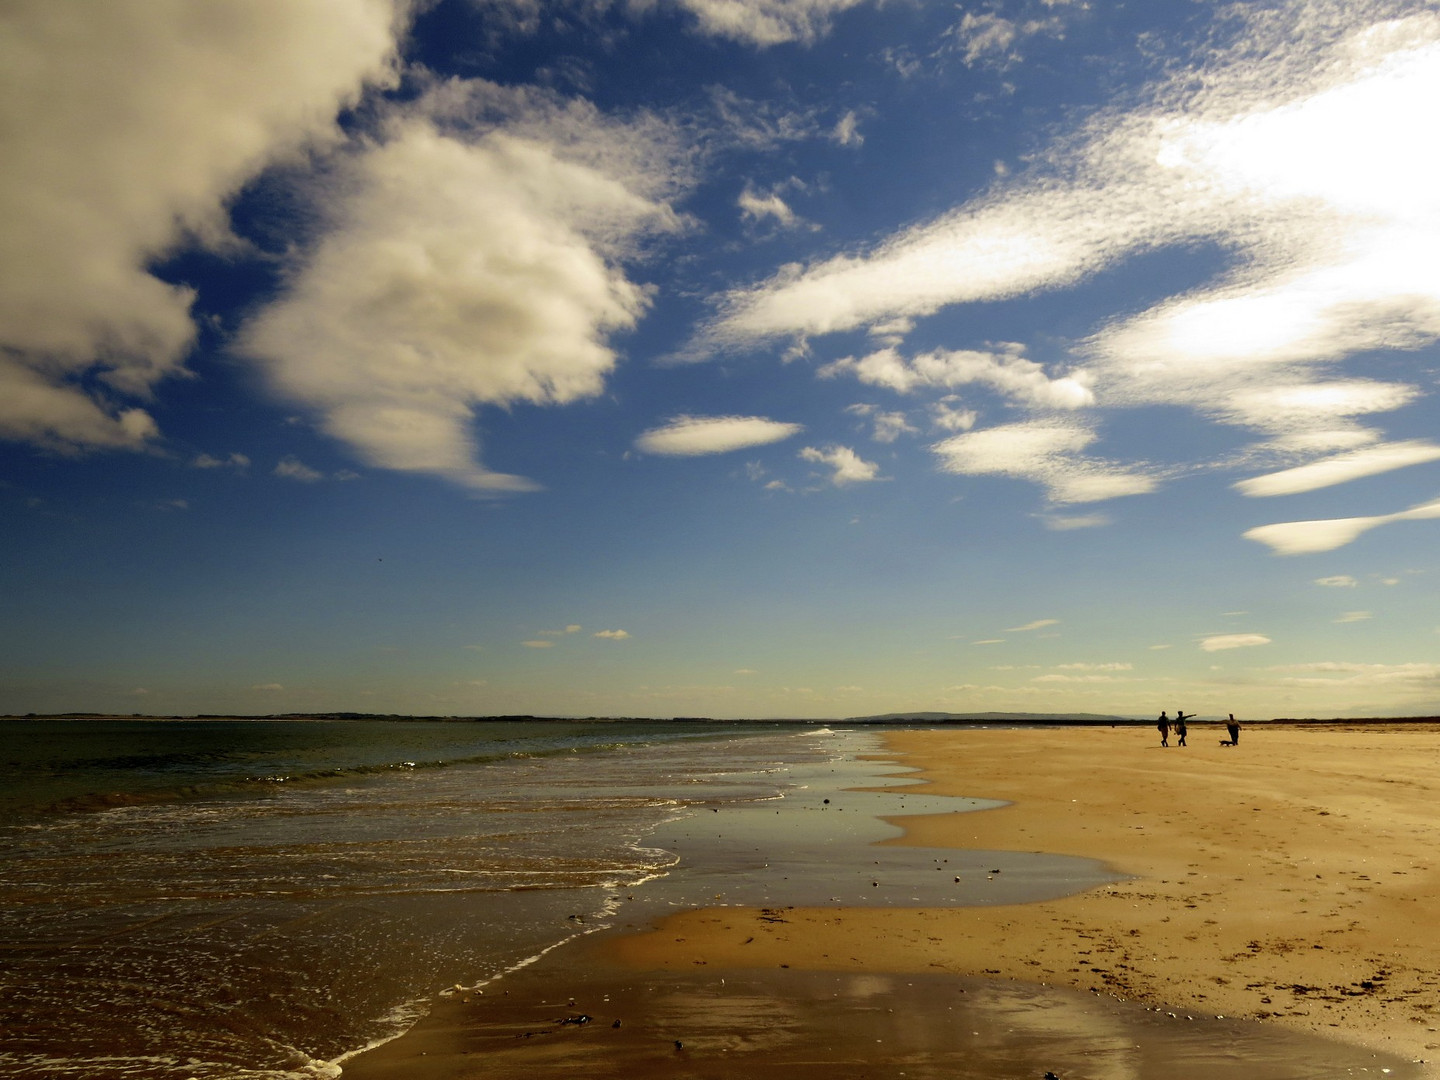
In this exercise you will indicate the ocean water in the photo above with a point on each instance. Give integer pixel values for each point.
(255, 899)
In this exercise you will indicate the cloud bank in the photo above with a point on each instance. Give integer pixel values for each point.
(128, 127)
(1298, 148)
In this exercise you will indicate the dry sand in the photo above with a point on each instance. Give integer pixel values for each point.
(1293, 879)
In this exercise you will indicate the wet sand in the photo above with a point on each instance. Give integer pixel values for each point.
(1290, 885)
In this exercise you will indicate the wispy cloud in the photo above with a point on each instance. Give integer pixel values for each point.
(1038, 624)
(1069, 522)
(1005, 370)
(1295, 148)
(292, 468)
(1342, 468)
(766, 22)
(1337, 581)
(1047, 452)
(986, 38)
(1222, 642)
(1353, 616)
(1308, 537)
(612, 635)
(1415, 677)
(757, 206)
(692, 436)
(236, 461)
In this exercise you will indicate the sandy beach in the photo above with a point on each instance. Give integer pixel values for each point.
(1290, 885)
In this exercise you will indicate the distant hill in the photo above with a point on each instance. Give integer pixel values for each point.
(992, 718)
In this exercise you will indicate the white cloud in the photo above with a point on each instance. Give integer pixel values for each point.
(1354, 616)
(128, 127)
(1070, 522)
(1307, 537)
(886, 426)
(1300, 149)
(848, 466)
(470, 258)
(573, 628)
(1341, 468)
(1038, 624)
(986, 38)
(946, 417)
(766, 22)
(538, 644)
(1046, 452)
(889, 426)
(269, 687)
(847, 130)
(612, 635)
(745, 671)
(1095, 667)
(1221, 642)
(231, 461)
(1337, 581)
(292, 468)
(989, 641)
(757, 207)
(692, 436)
(1006, 371)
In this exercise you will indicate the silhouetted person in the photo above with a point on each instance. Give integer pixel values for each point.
(1233, 727)
(1163, 726)
(1180, 728)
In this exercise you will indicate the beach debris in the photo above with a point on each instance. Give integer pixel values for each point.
(577, 1020)
(679, 1045)
(616, 1024)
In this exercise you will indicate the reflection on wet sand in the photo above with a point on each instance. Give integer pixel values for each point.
(577, 1017)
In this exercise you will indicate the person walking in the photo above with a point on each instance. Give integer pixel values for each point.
(1180, 728)
(1233, 727)
(1163, 726)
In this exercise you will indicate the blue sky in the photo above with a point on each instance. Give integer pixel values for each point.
(719, 357)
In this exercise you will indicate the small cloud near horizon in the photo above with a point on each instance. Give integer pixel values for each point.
(1038, 624)
(1233, 641)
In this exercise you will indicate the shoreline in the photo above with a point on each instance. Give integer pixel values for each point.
(1288, 880)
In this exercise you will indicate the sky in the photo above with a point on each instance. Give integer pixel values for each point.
(730, 358)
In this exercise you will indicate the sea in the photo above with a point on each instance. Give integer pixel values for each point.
(262, 900)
